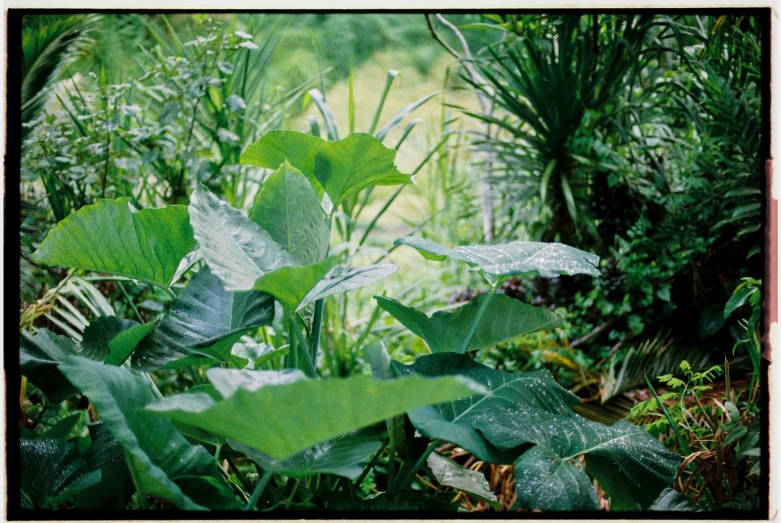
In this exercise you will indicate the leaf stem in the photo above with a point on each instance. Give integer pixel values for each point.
(480, 312)
(368, 467)
(318, 319)
(406, 480)
(292, 493)
(137, 483)
(259, 490)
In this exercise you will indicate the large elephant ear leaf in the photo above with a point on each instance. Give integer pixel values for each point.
(112, 236)
(284, 419)
(277, 147)
(515, 258)
(288, 209)
(112, 339)
(202, 316)
(630, 465)
(505, 318)
(155, 452)
(461, 422)
(348, 166)
(237, 250)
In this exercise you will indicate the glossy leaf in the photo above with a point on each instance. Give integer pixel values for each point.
(52, 471)
(111, 236)
(348, 166)
(153, 448)
(288, 209)
(344, 456)
(124, 343)
(515, 258)
(236, 249)
(462, 422)
(630, 464)
(203, 314)
(282, 420)
(450, 474)
(504, 318)
(227, 381)
(343, 279)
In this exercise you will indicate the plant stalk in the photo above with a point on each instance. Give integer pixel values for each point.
(406, 480)
(480, 312)
(259, 490)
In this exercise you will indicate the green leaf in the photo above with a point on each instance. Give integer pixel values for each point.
(288, 209)
(511, 259)
(276, 147)
(52, 471)
(283, 420)
(504, 318)
(738, 299)
(203, 315)
(629, 463)
(463, 422)
(97, 335)
(382, 369)
(546, 481)
(343, 278)
(154, 450)
(290, 285)
(450, 474)
(39, 357)
(227, 381)
(111, 236)
(63, 427)
(236, 249)
(344, 456)
(124, 343)
(347, 167)
(670, 500)
(711, 321)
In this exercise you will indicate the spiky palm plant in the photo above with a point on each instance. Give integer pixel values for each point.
(557, 84)
(47, 48)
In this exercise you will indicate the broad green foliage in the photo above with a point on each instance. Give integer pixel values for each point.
(503, 319)
(274, 419)
(288, 209)
(670, 500)
(347, 167)
(510, 259)
(278, 147)
(114, 237)
(291, 284)
(236, 249)
(203, 315)
(111, 339)
(345, 456)
(628, 462)
(155, 452)
(343, 168)
(455, 421)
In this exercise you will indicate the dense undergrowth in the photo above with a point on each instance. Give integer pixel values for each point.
(235, 298)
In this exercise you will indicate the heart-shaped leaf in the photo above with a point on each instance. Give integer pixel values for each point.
(154, 450)
(515, 258)
(283, 420)
(111, 236)
(503, 319)
(202, 315)
(460, 421)
(277, 147)
(629, 463)
(348, 166)
(288, 209)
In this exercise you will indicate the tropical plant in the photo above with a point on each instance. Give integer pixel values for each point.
(312, 440)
